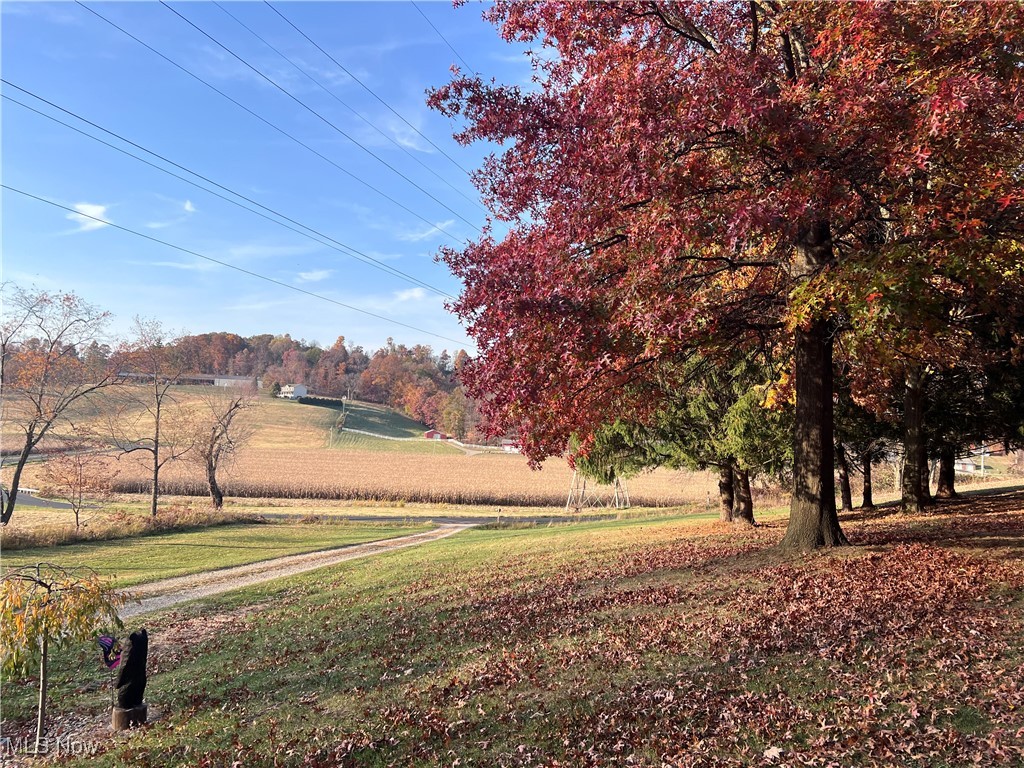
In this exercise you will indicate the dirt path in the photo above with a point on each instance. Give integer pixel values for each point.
(157, 595)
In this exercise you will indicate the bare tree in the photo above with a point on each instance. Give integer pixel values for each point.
(41, 373)
(220, 433)
(148, 419)
(80, 474)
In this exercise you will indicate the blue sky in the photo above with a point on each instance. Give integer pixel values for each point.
(65, 54)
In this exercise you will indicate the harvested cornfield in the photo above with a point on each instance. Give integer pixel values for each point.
(375, 476)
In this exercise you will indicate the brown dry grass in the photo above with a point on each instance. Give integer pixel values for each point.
(54, 529)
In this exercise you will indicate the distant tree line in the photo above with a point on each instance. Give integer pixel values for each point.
(414, 380)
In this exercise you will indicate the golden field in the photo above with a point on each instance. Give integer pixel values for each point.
(394, 476)
(289, 455)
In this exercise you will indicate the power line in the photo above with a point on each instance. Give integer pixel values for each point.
(268, 279)
(425, 18)
(366, 88)
(313, 112)
(336, 245)
(346, 105)
(280, 130)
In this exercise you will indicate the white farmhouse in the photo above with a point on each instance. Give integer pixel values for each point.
(293, 391)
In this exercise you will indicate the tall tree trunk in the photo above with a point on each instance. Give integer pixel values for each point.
(813, 521)
(844, 478)
(947, 473)
(867, 500)
(743, 503)
(156, 485)
(216, 497)
(156, 444)
(12, 491)
(915, 476)
(44, 682)
(31, 440)
(725, 491)
(926, 472)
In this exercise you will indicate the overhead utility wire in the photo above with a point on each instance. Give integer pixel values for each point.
(268, 279)
(342, 248)
(366, 88)
(346, 105)
(425, 18)
(280, 130)
(313, 112)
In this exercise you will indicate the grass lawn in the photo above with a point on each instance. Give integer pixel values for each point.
(159, 556)
(676, 642)
(313, 423)
(343, 510)
(382, 421)
(352, 441)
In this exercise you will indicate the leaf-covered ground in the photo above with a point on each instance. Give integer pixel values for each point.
(634, 643)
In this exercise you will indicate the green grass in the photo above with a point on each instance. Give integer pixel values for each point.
(584, 644)
(351, 441)
(160, 556)
(381, 421)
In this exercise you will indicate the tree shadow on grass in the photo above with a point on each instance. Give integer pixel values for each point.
(987, 521)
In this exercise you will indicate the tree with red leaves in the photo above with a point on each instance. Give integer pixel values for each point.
(704, 175)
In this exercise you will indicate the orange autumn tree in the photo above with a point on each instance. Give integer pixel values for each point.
(44, 606)
(43, 338)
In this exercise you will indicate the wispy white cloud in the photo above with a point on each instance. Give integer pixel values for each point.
(90, 216)
(381, 256)
(510, 58)
(216, 63)
(52, 12)
(415, 237)
(412, 304)
(328, 76)
(407, 137)
(220, 65)
(186, 207)
(188, 266)
(314, 276)
(266, 251)
(364, 215)
(411, 294)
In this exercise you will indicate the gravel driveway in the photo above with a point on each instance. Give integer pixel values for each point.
(157, 595)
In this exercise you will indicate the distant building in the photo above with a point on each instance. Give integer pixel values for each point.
(293, 391)
(965, 466)
(435, 434)
(236, 381)
(509, 446)
(197, 379)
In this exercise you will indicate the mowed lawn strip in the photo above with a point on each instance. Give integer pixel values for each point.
(160, 556)
(353, 441)
(381, 421)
